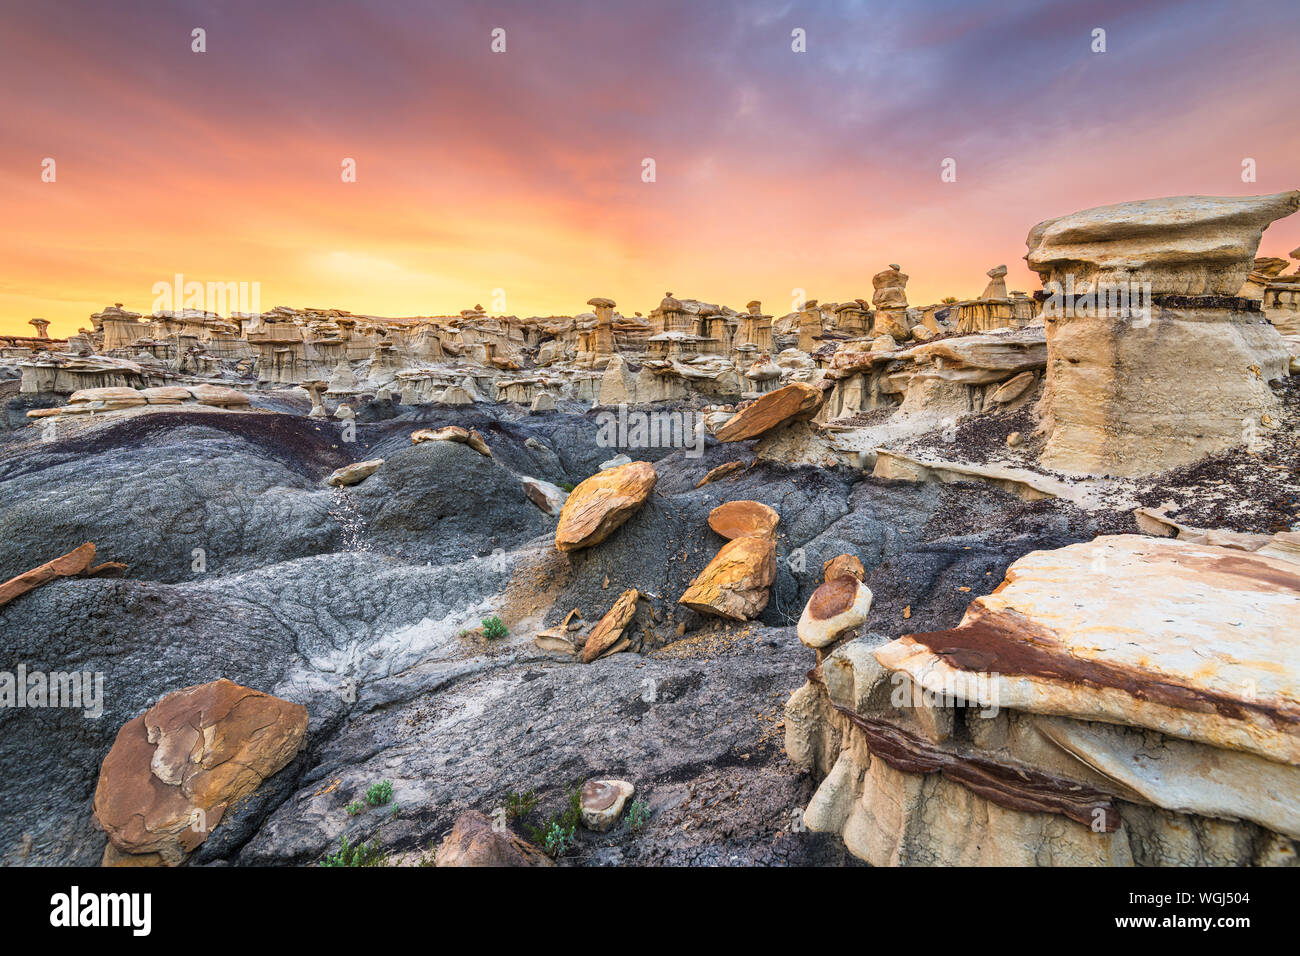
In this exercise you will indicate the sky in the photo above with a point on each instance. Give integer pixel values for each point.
(516, 179)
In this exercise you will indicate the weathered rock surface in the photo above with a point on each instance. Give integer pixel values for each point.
(174, 771)
(75, 561)
(839, 605)
(597, 506)
(473, 841)
(1190, 640)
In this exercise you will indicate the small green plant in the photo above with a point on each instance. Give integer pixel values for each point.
(561, 829)
(379, 793)
(355, 807)
(567, 486)
(494, 628)
(363, 854)
(520, 804)
(638, 815)
(558, 839)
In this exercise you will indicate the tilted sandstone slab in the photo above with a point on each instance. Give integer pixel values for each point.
(174, 770)
(353, 474)
(1181, 245)
(595, 509)
(607, 636)
(74, 562)
(735, 583)
(797, 400)
(1024, 484)
(1194, 641)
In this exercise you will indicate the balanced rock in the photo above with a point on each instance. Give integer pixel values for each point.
(997, 287)
(354, 473)
(798, 400)
(890, 287)
(607, 636)
(838, 605)
(735, 583)
(1181, 245)
(603, 802)
(743, 519)
(173, 771)
(473, 841)
(600, 504)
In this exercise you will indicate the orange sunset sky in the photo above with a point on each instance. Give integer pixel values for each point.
(521, 171)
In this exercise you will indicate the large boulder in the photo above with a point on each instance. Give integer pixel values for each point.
(798, 400)
(735, 583)
(595, 509)
(177, 768)
(1186, 639)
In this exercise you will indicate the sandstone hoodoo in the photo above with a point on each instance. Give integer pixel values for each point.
(840, 604)
(596, 507)
(1108, 697)
(175, 770)
(1152, 361)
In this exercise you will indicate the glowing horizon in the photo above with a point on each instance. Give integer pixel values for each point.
(521, 171)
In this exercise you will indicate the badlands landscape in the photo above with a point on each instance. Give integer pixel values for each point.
(1009, 580)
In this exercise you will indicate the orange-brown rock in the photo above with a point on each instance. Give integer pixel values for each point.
(794, 401)
(607, 635)
(174, 770)
(842, 565)
(743, 519)
(735, 583)
(722, 471)
(74, 562)
(600, 504)
(474, 842)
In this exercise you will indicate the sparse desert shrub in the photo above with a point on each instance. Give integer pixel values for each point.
(494, 628)
(520, 804)
(363, 854)
(638, 815)
(559, 832)
(355, 807)
(379, 793)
